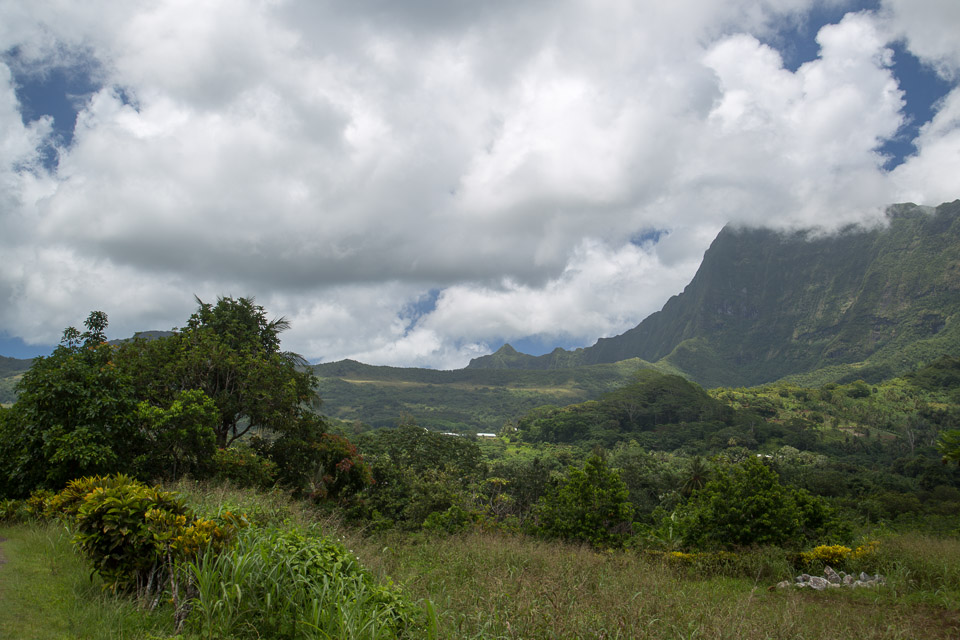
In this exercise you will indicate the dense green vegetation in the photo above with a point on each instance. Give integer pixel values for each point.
(487, 584)
(465, 400)
(162, 408)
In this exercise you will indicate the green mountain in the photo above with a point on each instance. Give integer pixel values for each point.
(10, 371)
(862, 303)
(460, 400)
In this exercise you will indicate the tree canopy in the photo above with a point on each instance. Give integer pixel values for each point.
(161, 408)
(231, 352)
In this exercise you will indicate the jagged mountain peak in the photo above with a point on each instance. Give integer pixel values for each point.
(866, 302)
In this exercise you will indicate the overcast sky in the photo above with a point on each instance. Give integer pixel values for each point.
(414, 182)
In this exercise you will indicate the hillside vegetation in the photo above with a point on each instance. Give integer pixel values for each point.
(464, 400)
(655, 509)
(10, 371)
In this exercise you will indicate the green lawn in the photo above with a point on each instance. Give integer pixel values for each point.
(46, 592)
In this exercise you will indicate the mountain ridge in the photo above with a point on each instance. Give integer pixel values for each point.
(765, 305)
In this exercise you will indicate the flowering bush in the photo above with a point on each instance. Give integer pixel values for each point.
(837, 555)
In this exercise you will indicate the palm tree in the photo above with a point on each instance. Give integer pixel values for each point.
(698, 474)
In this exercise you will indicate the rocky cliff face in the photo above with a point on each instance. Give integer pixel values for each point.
(764, 305)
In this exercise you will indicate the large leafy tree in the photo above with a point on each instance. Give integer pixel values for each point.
(159, 408)
(231, 352)
(180, 437)
(75, 415)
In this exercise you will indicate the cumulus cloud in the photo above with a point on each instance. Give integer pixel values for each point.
(342, 160)
(930, 29)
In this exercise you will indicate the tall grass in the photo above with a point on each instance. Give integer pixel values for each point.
(263, 508)
(494, 586)
(286, 580)
(295, 584)
(921, 568)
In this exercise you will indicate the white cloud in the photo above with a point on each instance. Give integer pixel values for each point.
(931, 174)
(339, 160)
(930, 28)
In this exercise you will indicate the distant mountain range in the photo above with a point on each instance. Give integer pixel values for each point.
(859, 304)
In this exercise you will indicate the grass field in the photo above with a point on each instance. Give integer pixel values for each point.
(494, 585)
(47, 593)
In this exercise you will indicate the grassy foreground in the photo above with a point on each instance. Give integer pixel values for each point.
(46, 592)
(493, 585)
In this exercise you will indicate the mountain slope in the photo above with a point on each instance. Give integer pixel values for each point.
(464, 399)
(765, 305)
(10, 371)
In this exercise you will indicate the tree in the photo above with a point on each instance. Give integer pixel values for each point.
(75, 415)
(230, 352)
(157, 408)
(591, 504)
(949, 446)
(180, 438)
(321, 465)
(697, 475)
(746, 505)
(417, 472)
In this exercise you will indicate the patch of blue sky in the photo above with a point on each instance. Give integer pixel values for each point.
(648, 236)
(540, 345)
(424, 305)
(16, 348)
(923, 88)
(56, 91)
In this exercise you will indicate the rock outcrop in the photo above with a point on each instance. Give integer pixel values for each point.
(832, 579)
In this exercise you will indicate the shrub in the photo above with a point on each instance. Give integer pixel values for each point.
(112, 530)
(241, 465)
(746, 505)
(340, 470)
(12, 510)
(591, 505)
(451, 521)
(839, 556)
(135, 534)
(65, 504)
(35, 506)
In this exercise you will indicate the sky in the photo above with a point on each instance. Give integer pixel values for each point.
(415, 183)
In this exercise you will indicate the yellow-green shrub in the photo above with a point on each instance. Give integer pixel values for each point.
(12, 510)
(111, 529)
(135, 534)
(837, 555)
(65, 504)
(36, 504)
